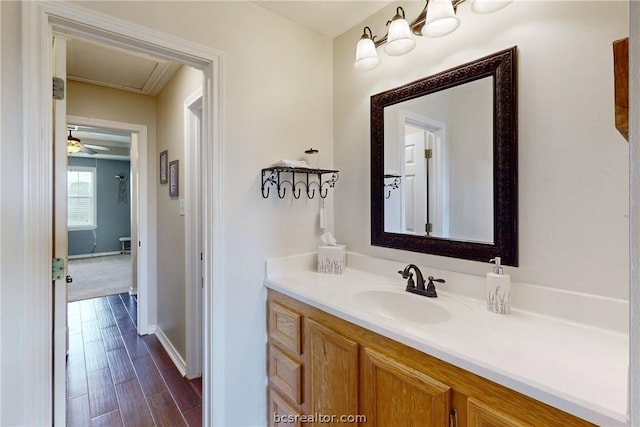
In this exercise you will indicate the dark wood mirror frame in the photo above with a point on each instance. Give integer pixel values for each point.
(502, 66)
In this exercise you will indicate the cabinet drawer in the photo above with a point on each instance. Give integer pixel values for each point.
(281, 413)
(285, 374)
(284, 327)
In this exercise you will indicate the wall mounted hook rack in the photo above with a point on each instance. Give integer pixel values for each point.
(393, 185)
(312, 180)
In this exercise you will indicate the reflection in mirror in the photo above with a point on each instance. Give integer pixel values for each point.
(441, 145)
(444, 166)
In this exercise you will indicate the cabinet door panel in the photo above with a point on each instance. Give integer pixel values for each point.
(482, 415)
(284, 327)
(331, 369)
(394, 394)
(281, 413)
(285, 374)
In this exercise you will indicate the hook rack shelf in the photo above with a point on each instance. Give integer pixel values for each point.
(393, 185)
(283, 177)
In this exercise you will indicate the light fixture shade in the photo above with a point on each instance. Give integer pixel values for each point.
(441, 19)
(73, 143)
(366, 55)
(488, 6)
(73, 147)
(399, 39)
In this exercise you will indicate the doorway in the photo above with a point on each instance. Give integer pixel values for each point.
(39, 21)
(161, 304)
(100, 210)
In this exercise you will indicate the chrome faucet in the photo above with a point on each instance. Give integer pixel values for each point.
(419, 287)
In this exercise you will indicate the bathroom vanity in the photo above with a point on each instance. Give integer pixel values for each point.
(358, 345)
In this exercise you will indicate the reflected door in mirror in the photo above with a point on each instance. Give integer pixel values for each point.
(442, 146)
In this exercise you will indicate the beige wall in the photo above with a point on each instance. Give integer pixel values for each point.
(171, 226)
(97, 102)
(573, 164)
(167, 310)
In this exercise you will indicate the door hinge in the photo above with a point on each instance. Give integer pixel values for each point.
(57, 268)
(428, 227)
(428, 153)
(58, 88)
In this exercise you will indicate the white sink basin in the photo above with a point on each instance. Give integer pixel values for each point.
(398, 305)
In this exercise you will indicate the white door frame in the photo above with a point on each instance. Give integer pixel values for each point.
(60, 230)
(140, 173)
(193, 272)
(411, 118)
(38, 21)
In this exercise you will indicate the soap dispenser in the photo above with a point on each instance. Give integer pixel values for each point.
(498, 289)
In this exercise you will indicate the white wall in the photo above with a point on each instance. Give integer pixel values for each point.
(171, 225)
(573, 175)
(470, 161)
(13, 390)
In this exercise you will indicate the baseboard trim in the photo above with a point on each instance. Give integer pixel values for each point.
(94, 255)
(170, 349)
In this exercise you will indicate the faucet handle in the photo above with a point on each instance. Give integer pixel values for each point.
(431, 288)
(408, 275)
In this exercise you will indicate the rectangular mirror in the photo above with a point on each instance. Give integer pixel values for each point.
(444, 162)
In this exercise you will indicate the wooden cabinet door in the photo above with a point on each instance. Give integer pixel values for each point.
(480, 414)
(281, 413)
(331, 368)
(394, 394)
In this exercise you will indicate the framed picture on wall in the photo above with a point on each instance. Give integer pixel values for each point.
(163, 167)
(173, 179)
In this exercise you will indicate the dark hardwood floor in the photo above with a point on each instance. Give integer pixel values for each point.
(117, 378)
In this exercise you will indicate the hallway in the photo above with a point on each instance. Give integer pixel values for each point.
(117, 378)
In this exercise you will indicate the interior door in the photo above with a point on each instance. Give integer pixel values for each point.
(415, 184)
(60, 244)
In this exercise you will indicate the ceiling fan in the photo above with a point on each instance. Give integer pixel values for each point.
(75, 145)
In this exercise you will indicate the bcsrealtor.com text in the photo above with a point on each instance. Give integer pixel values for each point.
(319, 418)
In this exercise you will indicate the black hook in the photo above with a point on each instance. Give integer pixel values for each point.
(297, 192)
(284, 191)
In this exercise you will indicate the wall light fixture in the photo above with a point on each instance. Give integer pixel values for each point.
(437, 19)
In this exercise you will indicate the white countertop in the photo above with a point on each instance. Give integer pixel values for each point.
(578, 369)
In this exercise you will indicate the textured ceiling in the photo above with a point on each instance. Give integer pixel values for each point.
(95, 63)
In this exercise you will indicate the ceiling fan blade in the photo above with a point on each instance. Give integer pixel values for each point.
(87, 150)
(97, 147)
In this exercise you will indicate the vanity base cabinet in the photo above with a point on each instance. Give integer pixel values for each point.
(349, 370)
(394, 394)
(284, 365)
(481, 415)
(331, 372)
(282, 413)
